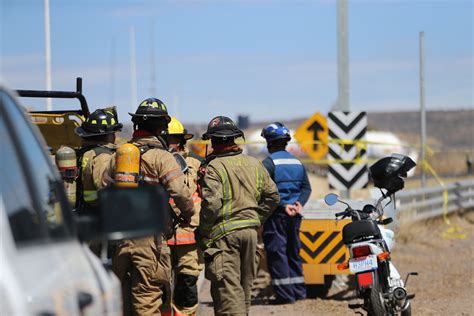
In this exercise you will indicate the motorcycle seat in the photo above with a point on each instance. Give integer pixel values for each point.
(362, 229)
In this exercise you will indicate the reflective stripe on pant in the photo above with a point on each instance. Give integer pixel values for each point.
(282, 245)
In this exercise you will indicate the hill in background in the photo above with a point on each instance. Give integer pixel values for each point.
(451, 129)
(446, 129)
(450, 134)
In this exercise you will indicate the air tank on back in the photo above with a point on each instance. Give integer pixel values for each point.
(66, 162)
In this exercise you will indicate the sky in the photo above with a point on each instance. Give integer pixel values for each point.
(272, 60)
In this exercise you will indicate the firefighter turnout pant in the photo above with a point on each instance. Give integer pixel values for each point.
(231, 265)
(186, 265)
(282, 246)
(143, 267)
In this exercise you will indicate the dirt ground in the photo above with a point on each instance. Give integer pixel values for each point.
(444, 286)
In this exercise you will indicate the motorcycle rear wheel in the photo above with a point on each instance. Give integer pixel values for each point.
(376, 305)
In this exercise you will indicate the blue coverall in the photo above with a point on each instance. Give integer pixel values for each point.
(281, 231)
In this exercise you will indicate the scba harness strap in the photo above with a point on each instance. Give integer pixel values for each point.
(142, 178)
(149, 179)
(87, 196)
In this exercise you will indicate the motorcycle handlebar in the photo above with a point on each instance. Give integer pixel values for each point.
(340, 214)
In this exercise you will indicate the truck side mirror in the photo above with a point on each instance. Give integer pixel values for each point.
(127, 213)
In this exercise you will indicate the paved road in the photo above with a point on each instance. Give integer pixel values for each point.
(445, 285)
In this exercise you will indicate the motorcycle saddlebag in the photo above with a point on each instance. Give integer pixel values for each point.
(360, 229)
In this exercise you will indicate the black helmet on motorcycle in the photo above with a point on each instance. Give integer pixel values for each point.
(387, 172)
(150, 110)
(222, 127)
(100, 122)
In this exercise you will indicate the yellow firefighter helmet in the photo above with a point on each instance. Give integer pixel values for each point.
(175, 127)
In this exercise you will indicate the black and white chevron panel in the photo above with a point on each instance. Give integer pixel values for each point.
(347, 126)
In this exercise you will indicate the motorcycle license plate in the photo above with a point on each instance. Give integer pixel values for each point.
(363, 264)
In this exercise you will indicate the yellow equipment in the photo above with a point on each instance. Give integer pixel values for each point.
(322, 248)
(58, 128)
(127, 166)
(67, 164)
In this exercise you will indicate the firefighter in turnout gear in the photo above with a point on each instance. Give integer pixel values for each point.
(238, 196)
(98, 135)
(66, 161)
(281, 231)
(143, 265)
(184, 254)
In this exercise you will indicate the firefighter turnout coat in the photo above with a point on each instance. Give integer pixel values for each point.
(238, 196)
(95, 169)
(144, 265)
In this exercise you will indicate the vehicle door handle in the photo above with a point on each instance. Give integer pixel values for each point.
(84, 299)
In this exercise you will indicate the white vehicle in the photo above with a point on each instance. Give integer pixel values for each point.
(44, 268)
(382, 143)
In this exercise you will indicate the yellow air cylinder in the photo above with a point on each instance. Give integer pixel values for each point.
(127, 166)
(67, 165)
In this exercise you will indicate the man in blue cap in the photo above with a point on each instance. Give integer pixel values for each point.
(281, 230)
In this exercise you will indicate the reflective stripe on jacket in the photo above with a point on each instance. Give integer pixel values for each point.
(288, 176)
(184, 238)
(237, 193)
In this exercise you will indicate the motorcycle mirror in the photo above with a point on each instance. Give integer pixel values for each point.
(331, 199)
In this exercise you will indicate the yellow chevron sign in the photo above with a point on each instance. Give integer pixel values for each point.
(322, 248)
(311, 133)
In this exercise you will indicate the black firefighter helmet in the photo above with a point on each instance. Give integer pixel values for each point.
(222, 127)
(149, 111)
(100, 122)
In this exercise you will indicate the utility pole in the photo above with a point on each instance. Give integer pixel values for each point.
(152, 61)
(112, 71)
(342, 65)
(342, 57)
(47, 53)
(422, 107)
(176, 104)
(133, 70)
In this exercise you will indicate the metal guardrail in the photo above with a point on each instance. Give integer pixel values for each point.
(412, 205)
(420, 204)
